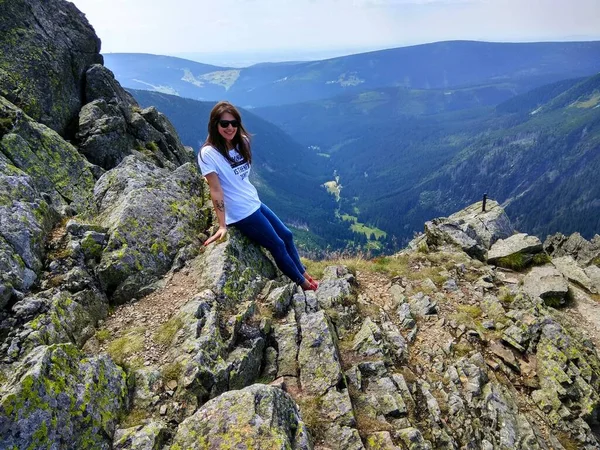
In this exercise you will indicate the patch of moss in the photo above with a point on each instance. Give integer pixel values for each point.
(124, 347)
(166, 332)
(172, 371)
(506, 296)
(470, 310)
(133, 418)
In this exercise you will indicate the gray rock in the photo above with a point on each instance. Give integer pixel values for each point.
(286, 337)
(332, 291)
(367, 341)
(256, 417)
(46, 48)
(151, 213)
(149, 436)
(148, 387)
(318, 357)
(56, 398)
(422, 305)
(280, 299)
(547, 283)
(569, 268)
(593, 273)
(582, 250)
(470, 229)
(112, 126)
(517, 243)
(235, 270)
(405, 317)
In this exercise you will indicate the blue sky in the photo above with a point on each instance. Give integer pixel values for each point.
(289, 27)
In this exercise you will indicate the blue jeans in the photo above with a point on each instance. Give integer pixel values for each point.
(265, 228)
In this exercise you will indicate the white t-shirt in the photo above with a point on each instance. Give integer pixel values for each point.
(240, 196)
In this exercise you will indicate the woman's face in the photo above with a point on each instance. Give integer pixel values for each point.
(229, 131)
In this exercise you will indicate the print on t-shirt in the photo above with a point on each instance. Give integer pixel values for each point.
(239, 165)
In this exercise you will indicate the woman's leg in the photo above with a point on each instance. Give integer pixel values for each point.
(285, 234)
(259, 229)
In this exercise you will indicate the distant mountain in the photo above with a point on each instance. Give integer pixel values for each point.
(541, 161)
(288, 177)
(403, 156)
(439, 65)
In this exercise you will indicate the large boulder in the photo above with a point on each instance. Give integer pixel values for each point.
(546, 283)
(151, 213)
(235, 269)
(46, 48)
(56, 399)
(258, 417)
(569, 268)
(471, 229)
(518, 243)
(112, 126)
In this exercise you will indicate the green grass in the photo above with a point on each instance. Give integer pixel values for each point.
(166, 332)
(103, 335)
(367, 231)
(171, 371)
(516, 261)
(126, 346)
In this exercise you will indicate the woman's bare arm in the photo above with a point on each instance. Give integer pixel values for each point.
(216, 194)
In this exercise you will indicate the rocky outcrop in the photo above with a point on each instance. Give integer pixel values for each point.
(257, 417)
(583, 251)
(57, 399)
(151, 214)
(112, 126)
(46, 48)
(548, 284)
(471, 229)
(56, 168)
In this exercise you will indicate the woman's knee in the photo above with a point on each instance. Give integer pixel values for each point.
(286, 235)
(276, 246)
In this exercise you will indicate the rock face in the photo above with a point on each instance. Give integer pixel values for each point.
(257, 417)
(150, 214)
(46, 48)
(470, 229)
(55, 166)
(112, 126)
(54, 399)
(583, 251)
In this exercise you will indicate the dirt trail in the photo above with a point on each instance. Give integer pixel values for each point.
(584, 311)
(149, 313)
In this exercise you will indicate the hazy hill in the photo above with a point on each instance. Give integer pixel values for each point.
(429, 66)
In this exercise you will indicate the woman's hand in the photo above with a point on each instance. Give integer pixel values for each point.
(220, 234)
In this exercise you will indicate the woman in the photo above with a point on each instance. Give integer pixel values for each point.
(225, 161)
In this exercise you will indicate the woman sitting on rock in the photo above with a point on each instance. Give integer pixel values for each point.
(225, 160)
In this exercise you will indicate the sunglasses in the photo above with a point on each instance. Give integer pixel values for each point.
(226, 123)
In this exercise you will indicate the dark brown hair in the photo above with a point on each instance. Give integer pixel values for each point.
(241, 140)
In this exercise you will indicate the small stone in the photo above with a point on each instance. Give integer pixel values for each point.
(163, 410)
(146, 363)
(489, 325)
(172, 385)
